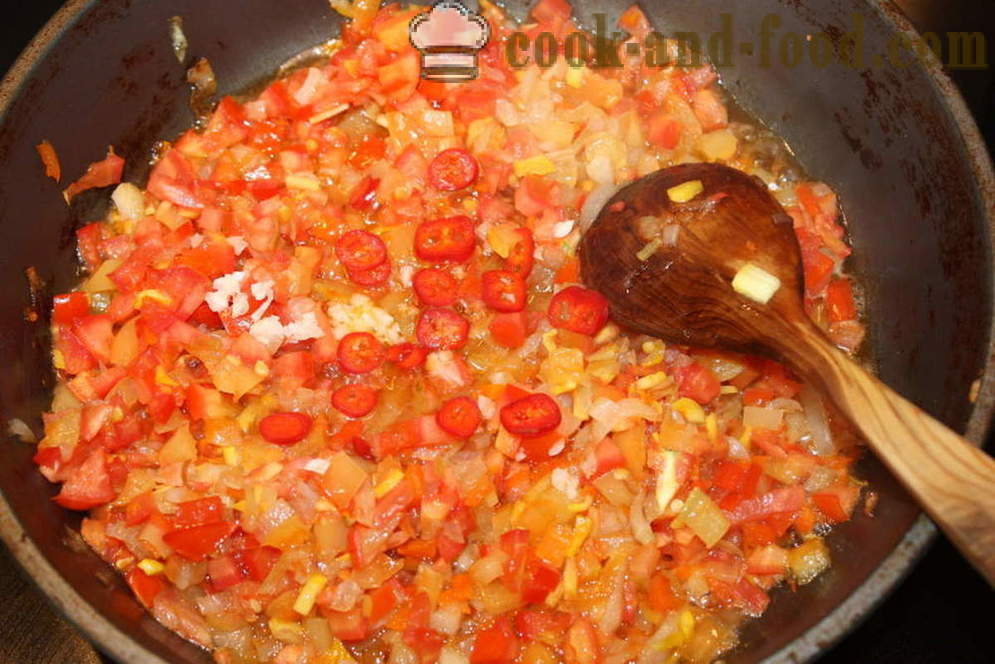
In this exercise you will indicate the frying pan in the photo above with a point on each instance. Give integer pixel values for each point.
(897, 144)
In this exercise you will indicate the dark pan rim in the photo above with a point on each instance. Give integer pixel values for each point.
(817, 640)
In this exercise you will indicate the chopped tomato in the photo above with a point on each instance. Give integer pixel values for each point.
(361, 250)
(504, 290)
(435, 287)
(198, 512)
(664, 130)
(285, 428)
(145, 587)
(452, 170)
(68, 307)
(510, 329)
(582, 643)
(224, 573)
(698, 383)
(89, 485)
(447, 239)
(96, 333)
(578, 309)
(406, 355)
(533, 415)
(360, 352)
(442, 329)
(839, 301)
(199, 542)
(538, 624)
(608, 456)
(459, 416)
(354, 400)
(258, 562)
(496, 644)
(837, 503)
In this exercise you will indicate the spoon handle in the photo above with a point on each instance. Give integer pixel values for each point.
(952, 480)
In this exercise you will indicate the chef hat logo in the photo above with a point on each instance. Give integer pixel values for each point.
(448, 37)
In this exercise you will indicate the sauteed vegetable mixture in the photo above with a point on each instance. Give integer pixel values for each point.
(332, 391)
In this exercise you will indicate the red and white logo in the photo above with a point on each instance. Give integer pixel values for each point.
(448, 37)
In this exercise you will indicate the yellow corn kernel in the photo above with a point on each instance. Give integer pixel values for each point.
(728, 389)
(517, 510)
(309, 593)
(570, 579)
(154, 295)
(338, 654)
(306, 182)
(163, 378)
(344, 558)
(575, 76)
(745, 437)
(117, 414)
(286, 630)
(58, 359)
(393, 478)
(652, 359)
(538, 165)
(151, 567)
(549, 340)
(604, 370)
(686, 191)
(123, 563)
(690, 409)
(652, 381)
(231, 455)
(240, 506)
(587, 186)
(582, 528)
(686, 623)
(712, 427)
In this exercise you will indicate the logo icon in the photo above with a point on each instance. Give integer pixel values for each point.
(448, 37)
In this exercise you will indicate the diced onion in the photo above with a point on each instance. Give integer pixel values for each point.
(755, 283)
(593, 204)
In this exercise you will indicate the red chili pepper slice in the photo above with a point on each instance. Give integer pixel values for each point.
(452, 170)
(354, 400)
(446, 239)
(503, 290)
(285, 428)
(533, 415)
(360, 250)
(370, 278)
(442, 329)
(435, 287)
(406, 355)
(578, 309)
(360, 352)
(459, 416)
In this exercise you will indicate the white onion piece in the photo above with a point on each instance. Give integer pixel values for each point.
(762, 418)
(593, 204)
(818, 425)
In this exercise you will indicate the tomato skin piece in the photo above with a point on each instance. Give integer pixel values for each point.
(504, 290)
(199, 542)
(285, 428)
(360, 250)
(495, 645)
(67, 307)
(839, 301)
(578, 309)
(360, 353)
(355, 400)
(407, 355)
(371, 278)
(459, 416)
(452, 170)
(442, 329)
(434, 287)
(532, 415)
(446, 239)
(521, 258)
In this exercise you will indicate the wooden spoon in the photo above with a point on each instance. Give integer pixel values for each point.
(683, 293)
